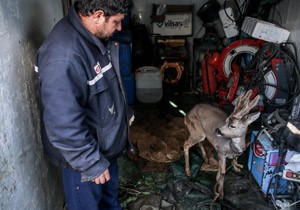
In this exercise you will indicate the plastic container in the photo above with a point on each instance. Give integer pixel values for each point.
(264, 30)
(125, 59)
(148, 80)
(129, 86)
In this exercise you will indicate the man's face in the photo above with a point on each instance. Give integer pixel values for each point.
(108, 25)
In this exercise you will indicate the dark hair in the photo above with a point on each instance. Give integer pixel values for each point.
(109, 7)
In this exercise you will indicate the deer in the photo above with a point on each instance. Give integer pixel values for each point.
(227, 134)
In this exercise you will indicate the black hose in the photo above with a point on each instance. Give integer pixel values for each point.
(262, 60)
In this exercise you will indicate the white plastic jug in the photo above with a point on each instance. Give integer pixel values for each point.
(148, 81)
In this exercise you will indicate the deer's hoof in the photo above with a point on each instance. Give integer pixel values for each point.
(188, 173)
(217, 196)
(238, 168)
(208, 167)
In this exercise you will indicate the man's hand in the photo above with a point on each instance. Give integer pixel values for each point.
(104, 177)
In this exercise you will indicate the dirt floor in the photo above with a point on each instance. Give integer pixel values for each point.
(153, 178)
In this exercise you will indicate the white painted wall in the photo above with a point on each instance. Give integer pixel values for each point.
(143, 10)
(27, 180)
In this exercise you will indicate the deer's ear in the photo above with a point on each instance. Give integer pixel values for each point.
(252, 117)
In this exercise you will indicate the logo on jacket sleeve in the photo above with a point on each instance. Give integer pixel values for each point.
(97, 68)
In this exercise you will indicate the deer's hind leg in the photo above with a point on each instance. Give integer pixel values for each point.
(196, 136)
(203, 152)
(210, 163)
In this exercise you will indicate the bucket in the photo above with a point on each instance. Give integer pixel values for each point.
(148, 81)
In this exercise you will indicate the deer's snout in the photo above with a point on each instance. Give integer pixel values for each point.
(219, 132)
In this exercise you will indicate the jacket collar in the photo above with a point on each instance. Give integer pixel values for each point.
(77, 24)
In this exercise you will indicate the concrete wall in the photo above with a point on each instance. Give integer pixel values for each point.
(290, 19)
(27, 180)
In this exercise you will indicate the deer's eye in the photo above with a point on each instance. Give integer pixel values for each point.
(232, 126)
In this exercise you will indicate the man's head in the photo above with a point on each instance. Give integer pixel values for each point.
(102, 17)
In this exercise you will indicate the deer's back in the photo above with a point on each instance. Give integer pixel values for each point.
(207, 117)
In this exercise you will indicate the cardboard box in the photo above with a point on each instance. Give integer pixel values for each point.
(175, 20)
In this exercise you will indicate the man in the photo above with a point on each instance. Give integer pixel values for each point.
(85, 120)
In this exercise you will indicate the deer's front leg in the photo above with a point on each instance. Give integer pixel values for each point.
(236, 166)
(220, 177)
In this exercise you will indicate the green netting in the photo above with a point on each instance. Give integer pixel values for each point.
(162, 191)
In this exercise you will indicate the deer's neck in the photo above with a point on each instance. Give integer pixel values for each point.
(238, 144)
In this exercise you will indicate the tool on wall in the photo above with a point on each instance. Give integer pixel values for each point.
(172, 71)
(171, 56)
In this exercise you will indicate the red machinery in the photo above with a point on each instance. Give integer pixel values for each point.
(264, 67)
(208, 71)
(231, 53)
(220, 71)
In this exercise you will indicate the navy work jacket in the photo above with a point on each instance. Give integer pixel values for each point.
(84, 110)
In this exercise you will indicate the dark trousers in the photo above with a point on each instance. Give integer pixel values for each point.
(90, 196)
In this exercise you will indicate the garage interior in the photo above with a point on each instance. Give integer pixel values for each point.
(175, 54)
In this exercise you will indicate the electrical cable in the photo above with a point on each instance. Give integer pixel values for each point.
(270, 182)
(261, 61)
(280, 156)
(225, 4)
(279, 15)
(239, 11)
(293, 203)
(294, 58)
(199, 31)
(274, 202)
(238, 7)
(244, 7)
(276, 171)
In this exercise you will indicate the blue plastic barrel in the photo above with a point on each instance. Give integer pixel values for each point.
(129, 86)
(125, 59)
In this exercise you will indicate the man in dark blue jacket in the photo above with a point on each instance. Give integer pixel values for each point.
(85, 119)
